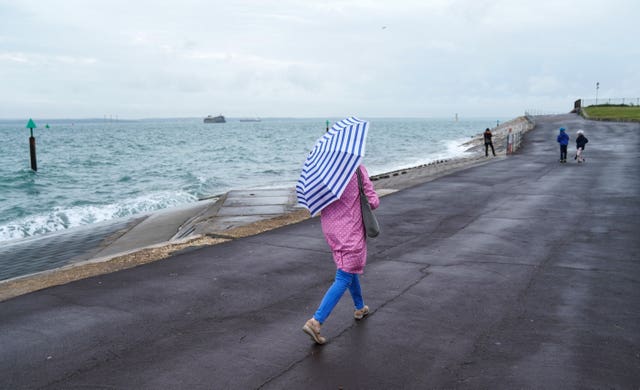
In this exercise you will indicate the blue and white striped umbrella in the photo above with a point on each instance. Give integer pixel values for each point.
(331, 163)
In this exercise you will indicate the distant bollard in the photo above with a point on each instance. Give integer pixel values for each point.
(32, 145)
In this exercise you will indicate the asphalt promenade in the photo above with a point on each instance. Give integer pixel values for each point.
(521, 273)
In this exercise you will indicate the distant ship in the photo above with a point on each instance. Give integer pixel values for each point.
(214, 119)
(249, 119)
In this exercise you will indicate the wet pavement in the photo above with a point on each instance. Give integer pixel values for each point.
(522, 273)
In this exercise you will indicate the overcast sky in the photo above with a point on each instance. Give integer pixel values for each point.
(402, 58)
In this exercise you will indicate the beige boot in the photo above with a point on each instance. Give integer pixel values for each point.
(360, 314)
(312, 328)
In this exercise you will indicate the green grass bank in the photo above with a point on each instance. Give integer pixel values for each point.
(612, 113)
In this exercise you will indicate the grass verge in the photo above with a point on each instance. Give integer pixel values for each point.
(613, 113)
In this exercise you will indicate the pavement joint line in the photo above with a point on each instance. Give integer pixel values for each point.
(515, 309)
(383, 251)
(293, 247)
(287, 369)
(469, 263)
(422, 270)
(409, 262)
(599, 270)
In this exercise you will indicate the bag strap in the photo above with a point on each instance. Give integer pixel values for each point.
(360, 185)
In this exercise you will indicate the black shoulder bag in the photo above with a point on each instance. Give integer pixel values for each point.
(368, 218)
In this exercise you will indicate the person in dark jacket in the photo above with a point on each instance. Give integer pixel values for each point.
(487, 143)
(563, 140)
(581, 142)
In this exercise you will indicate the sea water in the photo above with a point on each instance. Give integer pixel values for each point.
(90, 171)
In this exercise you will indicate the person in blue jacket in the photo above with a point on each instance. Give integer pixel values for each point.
(563, 140)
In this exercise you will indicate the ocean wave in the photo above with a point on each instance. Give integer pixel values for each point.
(271, 172)
(444, 150)
(64, 218)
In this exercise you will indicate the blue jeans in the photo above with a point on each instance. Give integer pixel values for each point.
(343, 281)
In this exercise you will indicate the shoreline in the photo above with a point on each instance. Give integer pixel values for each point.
(139, 189)
(197, 231)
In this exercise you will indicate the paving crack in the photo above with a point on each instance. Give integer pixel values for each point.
(293, 364)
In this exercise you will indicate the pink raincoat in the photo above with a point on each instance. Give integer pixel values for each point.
(342, 225)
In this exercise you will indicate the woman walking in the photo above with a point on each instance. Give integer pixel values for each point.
(343, 229)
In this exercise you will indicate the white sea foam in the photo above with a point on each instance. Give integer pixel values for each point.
(449, 149)
(61, 219)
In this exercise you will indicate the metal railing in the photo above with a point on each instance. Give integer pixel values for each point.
(513, 142)
(611, 101)
(540, 112)
(509, 135)
(515, 136)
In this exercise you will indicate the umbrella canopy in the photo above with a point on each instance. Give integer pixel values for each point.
(331, 163)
